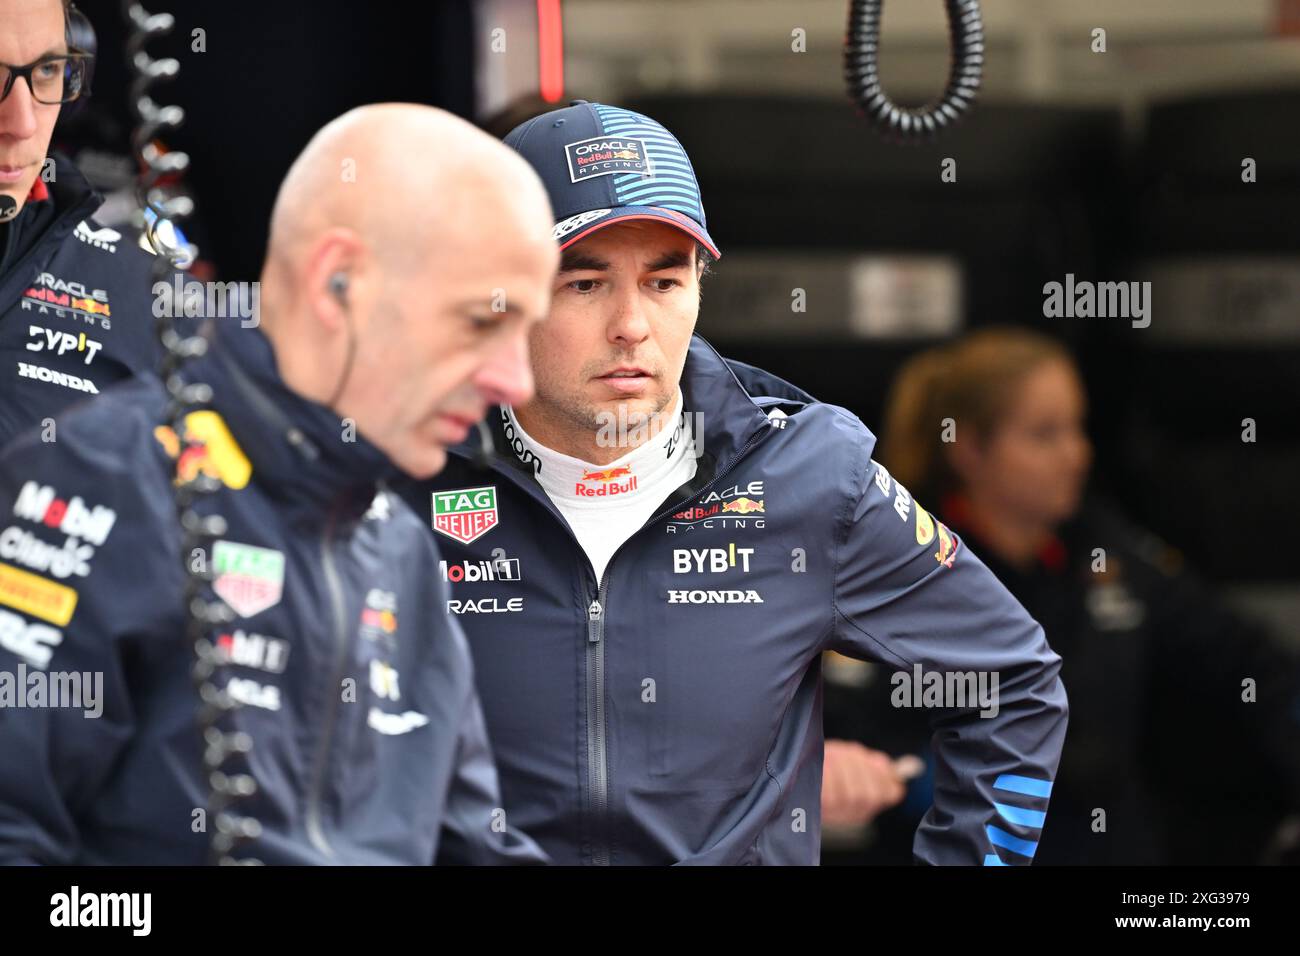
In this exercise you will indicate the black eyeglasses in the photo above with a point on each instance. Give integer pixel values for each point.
(52, 79)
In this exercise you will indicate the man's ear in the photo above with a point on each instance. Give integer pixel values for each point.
(338, 253)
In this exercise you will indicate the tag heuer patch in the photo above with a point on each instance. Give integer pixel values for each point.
(466, 513)
(249, 579)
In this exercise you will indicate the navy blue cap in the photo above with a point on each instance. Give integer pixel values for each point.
(603, 164)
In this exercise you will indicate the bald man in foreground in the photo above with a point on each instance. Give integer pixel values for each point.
(395, 307)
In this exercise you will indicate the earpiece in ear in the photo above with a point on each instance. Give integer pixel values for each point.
(339, 287)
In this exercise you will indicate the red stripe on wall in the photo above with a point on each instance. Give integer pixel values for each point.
(550, 50)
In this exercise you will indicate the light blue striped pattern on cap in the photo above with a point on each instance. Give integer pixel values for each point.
(673, 184)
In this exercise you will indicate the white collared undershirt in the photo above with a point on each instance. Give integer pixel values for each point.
(607, 504)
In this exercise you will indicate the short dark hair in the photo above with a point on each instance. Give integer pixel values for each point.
(703, 264)
(704, 260)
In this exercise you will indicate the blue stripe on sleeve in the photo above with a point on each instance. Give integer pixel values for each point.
(1020, 816)
(1026, 785)
(1000, 837)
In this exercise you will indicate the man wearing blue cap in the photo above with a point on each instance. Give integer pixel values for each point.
(649, 579)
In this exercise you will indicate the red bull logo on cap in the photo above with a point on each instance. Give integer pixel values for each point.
(605, 156)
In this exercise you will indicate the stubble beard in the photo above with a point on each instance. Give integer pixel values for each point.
(636, 415)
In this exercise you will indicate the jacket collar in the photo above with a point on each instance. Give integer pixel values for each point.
(73, 197)
(38, 229)
(70, 190)
(296, 446)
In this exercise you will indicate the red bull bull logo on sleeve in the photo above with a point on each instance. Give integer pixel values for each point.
(948, 545)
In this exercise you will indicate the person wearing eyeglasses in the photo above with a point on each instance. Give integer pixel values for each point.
(76, 300)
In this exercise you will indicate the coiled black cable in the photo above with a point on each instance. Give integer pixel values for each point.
(226, 828)
(861, 70)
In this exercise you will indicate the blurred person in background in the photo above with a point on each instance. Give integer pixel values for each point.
(1165, 762)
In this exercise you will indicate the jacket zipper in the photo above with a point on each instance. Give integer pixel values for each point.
(315, 831)
(597, 765)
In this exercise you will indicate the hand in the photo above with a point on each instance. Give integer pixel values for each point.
(858, 783)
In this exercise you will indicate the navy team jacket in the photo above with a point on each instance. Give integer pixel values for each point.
(355, 687)
(671, 712)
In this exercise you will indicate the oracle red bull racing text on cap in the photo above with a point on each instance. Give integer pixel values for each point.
(602, 165)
